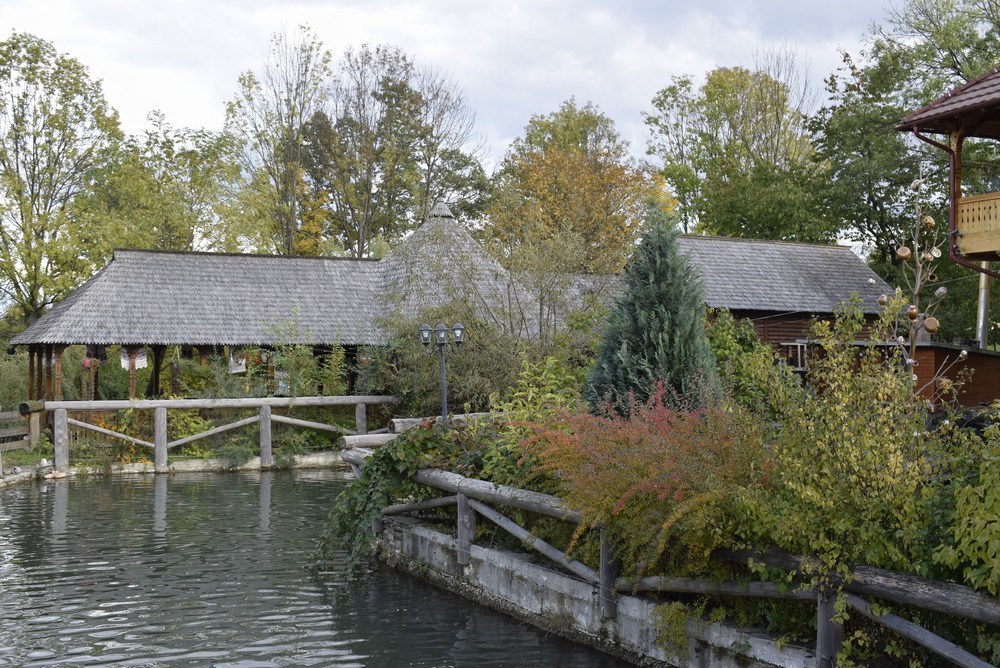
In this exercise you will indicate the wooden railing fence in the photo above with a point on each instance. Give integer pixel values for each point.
(13, 432)
(61, 421)
(471, 497)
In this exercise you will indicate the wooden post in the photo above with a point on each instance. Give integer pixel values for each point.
(31, 373)
(466, 530)
(48, 373)
(159, 438)
(40, 370)
(60, 433)
(829, 634)
(270, 373)
(34, 428)
(608, 573)
(131, 351)
(266, 456)
(57, 376)
(153, 385)
(202, 356)
(361, 418)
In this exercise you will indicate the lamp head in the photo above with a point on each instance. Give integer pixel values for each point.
(458, 333)
(440, 334)
(425, 334)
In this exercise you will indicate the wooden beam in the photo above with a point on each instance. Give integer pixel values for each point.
(918, 634)
(131, 352)
(58, 372)
(501, 495)
(321, 426)
(213, 432)
(712, 588)
(366, 441)
(188, 404)
(945, 597)
(513, 528)
(465, 531)
(40, 370)
(829, 632)
(108, 432)
(31, 373)
(48, 373)
(417, 506)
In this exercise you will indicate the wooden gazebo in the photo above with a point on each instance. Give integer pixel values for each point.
(971, 110)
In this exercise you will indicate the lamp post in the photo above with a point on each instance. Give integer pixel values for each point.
(438, 340)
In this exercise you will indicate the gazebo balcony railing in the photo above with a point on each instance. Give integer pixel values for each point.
(978, 224)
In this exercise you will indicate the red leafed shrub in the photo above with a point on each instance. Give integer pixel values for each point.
(667, 482)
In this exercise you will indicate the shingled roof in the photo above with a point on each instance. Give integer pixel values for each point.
(152, 297)
(752, 275)
(973, 107)
(173, 298)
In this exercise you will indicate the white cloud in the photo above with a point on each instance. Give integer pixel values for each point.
(512, 58)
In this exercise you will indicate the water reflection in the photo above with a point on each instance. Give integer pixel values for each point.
(208, 570)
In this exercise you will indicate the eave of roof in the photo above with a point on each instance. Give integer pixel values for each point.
(973, 108)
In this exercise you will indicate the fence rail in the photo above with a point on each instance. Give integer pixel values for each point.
(61, 422)
(471, 495)
(13, 432)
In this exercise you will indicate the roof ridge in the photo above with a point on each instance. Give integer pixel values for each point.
(155, 251)
(773, 242)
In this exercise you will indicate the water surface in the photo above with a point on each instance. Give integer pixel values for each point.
(210, 570)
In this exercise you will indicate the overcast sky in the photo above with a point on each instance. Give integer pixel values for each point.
(512, 58)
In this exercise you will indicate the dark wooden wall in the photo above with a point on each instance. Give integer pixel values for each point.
(982, 387)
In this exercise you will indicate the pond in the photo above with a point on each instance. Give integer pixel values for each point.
(211, 570)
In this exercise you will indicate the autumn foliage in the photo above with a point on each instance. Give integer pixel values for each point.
(659, 476)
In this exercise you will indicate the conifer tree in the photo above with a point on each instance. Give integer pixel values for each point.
(656, 328)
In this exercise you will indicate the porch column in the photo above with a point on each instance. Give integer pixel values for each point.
(40, 373)
(131, 351)
(31, 373)
(57, 376)
(153, 386)
(48, 373)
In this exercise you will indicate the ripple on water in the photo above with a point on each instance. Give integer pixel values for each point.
(208, 570)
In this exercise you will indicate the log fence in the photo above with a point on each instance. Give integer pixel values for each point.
(14, 431)
(470, 496)
(265, 417)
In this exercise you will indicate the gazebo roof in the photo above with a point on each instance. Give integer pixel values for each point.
(973, 108)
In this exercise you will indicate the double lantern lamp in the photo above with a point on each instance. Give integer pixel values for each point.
(438, 340)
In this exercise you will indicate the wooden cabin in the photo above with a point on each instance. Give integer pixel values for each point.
(153, 299)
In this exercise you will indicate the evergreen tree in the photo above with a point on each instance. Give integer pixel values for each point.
(656, 329)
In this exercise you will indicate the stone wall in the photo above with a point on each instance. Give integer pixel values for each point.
(520, 585)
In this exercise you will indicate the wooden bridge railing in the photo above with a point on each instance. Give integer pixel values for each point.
(471, 495)
(62, 421)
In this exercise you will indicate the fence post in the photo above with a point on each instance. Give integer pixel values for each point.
(266, 455)
(465, 531)
(60, 429)
(829, 634)
(361, 418)
(160, 440)
(609, 568)
(34, 428)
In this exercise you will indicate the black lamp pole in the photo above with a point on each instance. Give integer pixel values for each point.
(440, 340)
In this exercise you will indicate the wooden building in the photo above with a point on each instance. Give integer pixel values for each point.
(152, 299)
